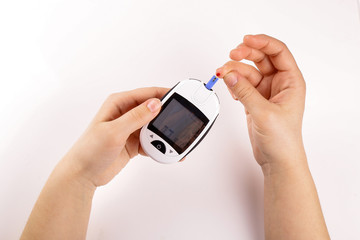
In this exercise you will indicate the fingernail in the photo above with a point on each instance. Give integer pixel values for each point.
(154, 105)
(230, 79)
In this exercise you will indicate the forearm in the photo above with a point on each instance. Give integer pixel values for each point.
(63, 208)
(292, 208)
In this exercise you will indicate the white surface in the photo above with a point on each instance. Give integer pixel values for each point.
(60, 59)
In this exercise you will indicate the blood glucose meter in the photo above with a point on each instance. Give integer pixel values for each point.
(188, 112)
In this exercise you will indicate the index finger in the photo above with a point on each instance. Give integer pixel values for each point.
(278, 53)
(119, 103)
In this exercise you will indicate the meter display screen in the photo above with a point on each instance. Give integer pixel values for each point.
(179, 123)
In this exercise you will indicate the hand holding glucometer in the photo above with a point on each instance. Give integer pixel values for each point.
(188, 112)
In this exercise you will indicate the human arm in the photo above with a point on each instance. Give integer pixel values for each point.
(63, 208)
(273, 95)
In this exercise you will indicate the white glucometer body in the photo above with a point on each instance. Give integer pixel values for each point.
(188, 111)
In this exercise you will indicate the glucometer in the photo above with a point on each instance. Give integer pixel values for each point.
(188, 112)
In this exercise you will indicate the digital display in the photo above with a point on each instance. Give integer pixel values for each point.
(179, 123)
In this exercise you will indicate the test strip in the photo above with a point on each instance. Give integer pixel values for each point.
(211, 82)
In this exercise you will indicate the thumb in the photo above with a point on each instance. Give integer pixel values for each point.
(138, 116)
(247, 94)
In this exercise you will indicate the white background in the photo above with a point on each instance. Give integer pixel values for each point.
(59, 60)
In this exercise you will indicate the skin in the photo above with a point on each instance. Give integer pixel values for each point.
(273, 96)
(63, 208)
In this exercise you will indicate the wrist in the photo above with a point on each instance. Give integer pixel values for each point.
(287, 162)
(67, 172)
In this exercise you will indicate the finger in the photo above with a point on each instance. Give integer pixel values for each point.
(249, 72)
(277, 51)
(142, 152)
(232, 94)
(119, 103)
(260, 59)
(136, 136)
(133, 146)
(246, 70)
(247, 94)
(137, 117)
